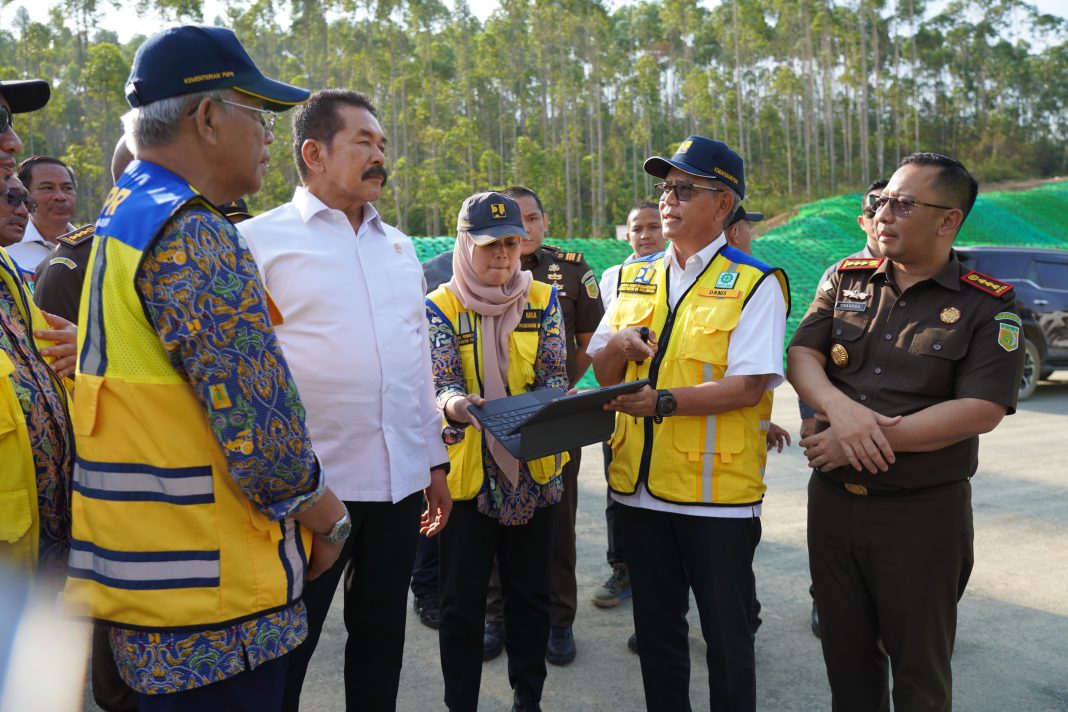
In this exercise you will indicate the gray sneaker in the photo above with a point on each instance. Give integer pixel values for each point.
(615, 590)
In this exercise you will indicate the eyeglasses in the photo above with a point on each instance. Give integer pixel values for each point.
(6, 119)
(266, 116)
(868, 212)
(16, 197)
(683, 191)
(900, 208)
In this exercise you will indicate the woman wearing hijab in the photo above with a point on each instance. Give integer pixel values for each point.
(494, 332)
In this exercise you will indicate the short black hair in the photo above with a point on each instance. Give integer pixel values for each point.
(318, 119)
(875, 185)
(519, 191)
(27, 166)
(953, 181)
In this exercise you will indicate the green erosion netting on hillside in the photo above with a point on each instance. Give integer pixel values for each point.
(825, 231)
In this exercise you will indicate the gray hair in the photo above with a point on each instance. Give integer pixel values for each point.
(156, 124)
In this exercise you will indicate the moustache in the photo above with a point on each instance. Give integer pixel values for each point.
(376, 171)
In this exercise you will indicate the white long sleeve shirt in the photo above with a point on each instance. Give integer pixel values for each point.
(355, 337)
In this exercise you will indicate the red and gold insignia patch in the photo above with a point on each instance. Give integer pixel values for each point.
(986, 284)
(853, 263)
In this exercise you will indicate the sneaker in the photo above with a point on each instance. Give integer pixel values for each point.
(428, 609)
(561, 647)
(492, 640)
(632, 643)
(615, 590)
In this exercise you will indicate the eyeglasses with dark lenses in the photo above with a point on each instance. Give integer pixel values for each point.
(683, 190)
(5, 119)
(900, 208)
(16, 197)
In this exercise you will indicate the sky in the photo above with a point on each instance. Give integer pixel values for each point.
(128, 24)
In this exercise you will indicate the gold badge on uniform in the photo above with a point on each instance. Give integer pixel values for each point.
(859, 490)
(950, 315)
(397, 248)
(554, 267)
(840, 356)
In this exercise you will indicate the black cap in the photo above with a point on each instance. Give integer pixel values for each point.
(195, 58)
(705, 158)
(740, 214)
(488, 217)
(25, 95)
(235, 209)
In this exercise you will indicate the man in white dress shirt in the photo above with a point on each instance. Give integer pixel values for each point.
(688, 458)
(51, 183)
(350, 290)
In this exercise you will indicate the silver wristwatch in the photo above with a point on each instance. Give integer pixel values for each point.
(339, 532)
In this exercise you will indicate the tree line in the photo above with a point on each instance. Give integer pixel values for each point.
(569, 97)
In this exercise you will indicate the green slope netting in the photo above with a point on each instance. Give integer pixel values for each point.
(825, 231)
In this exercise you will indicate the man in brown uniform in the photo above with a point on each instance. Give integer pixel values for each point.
(580, 301)
(911, 357)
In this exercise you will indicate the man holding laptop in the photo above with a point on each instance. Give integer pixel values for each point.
(688, 453)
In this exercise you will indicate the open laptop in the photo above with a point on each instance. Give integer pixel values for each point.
(550, 421)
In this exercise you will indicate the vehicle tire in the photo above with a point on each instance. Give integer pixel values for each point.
(1032, 366)
(1046, 373)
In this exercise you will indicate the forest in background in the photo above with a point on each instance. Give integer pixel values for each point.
(819, 97)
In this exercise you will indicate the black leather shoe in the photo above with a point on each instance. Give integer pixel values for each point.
(428, 609)
(632, 643)
(561, 647)
(815, 621)
(492, 640)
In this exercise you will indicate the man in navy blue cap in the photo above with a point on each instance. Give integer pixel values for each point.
(704, 322)
(199, 505)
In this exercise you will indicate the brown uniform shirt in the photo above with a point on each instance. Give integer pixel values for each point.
(61, 274)
(955, 335)
(576, 287)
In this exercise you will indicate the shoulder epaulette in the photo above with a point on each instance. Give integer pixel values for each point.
(569, 256)
(851, 263)
(986, 284)
(77, 237)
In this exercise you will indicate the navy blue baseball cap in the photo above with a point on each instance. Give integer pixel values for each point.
(196, 58)
(488, 217)
(705, 158)
(740, 215)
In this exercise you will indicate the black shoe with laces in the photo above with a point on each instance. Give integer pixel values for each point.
(428, 609)
(492, 640)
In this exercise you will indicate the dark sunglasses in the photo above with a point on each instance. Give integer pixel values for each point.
(683, 191)
(16, 197)
(900, 208)
(5, 119)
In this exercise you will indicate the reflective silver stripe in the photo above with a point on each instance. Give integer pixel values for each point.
(143, 570)
(139, 482)
(765, 425)
(710, 445)
(289, 545)
(92, 350)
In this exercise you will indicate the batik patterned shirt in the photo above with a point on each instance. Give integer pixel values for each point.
(200, 268)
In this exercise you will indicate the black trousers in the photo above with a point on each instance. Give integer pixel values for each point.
(669, 555)
(563, 588)
(889, 569)
(110, 691)
(425, 569)
(258, 690)
(617, 552)
(468, 548)
(377, 564)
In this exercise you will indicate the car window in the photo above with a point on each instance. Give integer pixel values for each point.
(1051, 275)
(999, 265)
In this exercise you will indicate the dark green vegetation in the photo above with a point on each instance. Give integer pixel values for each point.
(819, 96)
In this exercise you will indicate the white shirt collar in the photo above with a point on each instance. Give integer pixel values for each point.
(700, 258)
(309, 205)
(32, 234)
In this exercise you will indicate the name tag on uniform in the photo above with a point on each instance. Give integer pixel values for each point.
(720, 293)
(850, 306)
(531, 320)
(637, 288)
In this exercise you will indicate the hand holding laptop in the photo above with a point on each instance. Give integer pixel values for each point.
(457, 409)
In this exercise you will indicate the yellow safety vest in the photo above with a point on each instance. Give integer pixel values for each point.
(163, 538)
(466, 474)
(20, 520)
(691, 459)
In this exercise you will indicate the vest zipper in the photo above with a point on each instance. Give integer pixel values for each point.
(654, 365)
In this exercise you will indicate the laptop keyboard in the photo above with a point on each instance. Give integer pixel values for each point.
(502, 424)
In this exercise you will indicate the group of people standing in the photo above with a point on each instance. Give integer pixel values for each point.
(261, 411)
